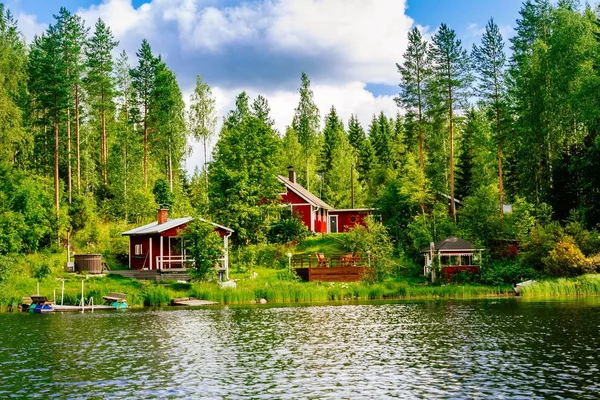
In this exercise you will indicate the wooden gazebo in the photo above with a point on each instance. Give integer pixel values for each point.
(450, 256)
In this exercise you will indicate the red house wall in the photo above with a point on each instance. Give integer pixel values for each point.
(303, 209)
(345, 222)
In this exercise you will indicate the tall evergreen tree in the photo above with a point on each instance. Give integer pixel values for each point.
(169, 142)
(490, 64)
(48, 80)
(143, 78)
(415, 72)
(261, 109)
(306, 124)
(14, 140)
(100, 84)
(73, 34)
(364, 153)
(451, 81)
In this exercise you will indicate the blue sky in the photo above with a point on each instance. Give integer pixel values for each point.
(348, 47)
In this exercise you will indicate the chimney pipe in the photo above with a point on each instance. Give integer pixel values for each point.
(292, 175)
(163, 214)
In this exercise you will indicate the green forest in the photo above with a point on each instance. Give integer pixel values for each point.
(498, 143)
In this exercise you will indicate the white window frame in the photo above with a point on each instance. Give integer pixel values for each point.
(139, 249)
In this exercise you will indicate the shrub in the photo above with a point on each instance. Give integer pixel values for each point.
(288, 228)
(205, 246)
(566, 260)
(373, 239)
(506, 271)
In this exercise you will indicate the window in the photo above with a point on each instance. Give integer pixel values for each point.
(353, 218)
(138, 249)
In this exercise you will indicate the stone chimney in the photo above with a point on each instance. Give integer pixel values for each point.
(291, 174)
(163, 215)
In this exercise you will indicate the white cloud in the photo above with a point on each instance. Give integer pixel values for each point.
(29, 26)
(365, 36)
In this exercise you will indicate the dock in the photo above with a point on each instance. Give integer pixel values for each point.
(190, 301)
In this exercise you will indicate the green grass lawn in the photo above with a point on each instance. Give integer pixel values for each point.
(330, 243)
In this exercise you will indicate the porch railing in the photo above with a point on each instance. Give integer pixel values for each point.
(178, 261)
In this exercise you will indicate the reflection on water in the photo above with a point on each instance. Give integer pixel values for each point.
(432, 349)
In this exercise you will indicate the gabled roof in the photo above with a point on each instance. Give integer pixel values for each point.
(302, 192)
(155, 227)
(452, 243)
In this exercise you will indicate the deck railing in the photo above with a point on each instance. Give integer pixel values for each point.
(178, 261)
(312, 260)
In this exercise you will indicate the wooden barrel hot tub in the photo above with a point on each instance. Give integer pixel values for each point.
(90, 263)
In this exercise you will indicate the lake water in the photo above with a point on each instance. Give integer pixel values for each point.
(507, 348)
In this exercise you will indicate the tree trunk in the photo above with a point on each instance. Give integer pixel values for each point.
(205, 169)
(145, 147)
(77, 139)
(307, 174)
(451, 115)
(56, 150)
(500, 183)
(170, 168)
(69, 177)
(421, 156)
(104, 146)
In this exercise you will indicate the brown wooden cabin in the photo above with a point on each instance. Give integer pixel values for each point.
(331, 267)
(451, 256)
(318, 216)
(158, 245)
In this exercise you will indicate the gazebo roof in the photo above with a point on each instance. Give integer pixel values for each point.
(452, 244)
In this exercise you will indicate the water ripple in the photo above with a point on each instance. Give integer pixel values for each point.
(434, 349)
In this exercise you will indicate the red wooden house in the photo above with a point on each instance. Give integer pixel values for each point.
(318, 216)
(158, 245)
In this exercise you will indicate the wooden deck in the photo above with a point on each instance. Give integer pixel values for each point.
(331, 267)
(336, 274)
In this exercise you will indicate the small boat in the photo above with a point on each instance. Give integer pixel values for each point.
(40, 305)
(116, 300)
(519, 286)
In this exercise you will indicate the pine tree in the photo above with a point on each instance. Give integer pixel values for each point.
(14, 140)
(261, 109)
(100, 84)
(490, 62)
(49, 82)
(169, 141)
(306, 124)
(415, 72)
(364, 153)
(203, 119)
(451, 81)
(337, 163)
(72, 38)
(143, 78)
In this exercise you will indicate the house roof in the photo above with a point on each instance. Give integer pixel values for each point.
(155, 227)
(302, 192)
(452, 243)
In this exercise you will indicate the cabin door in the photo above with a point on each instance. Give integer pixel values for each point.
(333, 224)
